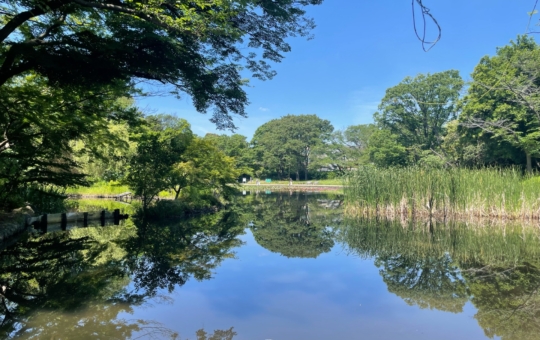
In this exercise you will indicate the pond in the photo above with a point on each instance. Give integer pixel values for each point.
(273, 266)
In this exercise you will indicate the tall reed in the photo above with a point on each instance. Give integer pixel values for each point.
(463, 193)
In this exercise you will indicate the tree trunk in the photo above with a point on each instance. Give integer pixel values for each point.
(529, 163)
(297, 175)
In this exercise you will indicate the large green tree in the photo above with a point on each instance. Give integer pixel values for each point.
(286, 144)
(198, 47)
(502, 106)
(417, 109)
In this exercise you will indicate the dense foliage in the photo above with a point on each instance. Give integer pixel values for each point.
(194, 46)
(69, 70)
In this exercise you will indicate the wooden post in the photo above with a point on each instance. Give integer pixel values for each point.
(43, 223)
(63, 222)
(103, 218)
(85, 219)
(116, 216)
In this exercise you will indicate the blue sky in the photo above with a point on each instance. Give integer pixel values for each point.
(360, 49)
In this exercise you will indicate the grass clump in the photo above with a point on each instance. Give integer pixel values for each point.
(454, 192)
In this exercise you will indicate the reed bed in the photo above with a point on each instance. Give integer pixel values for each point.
(462, 194)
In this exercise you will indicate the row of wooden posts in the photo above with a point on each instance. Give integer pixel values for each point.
(42, 222)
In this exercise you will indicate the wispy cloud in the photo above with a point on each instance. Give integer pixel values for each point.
(363, 103)
(264, 109)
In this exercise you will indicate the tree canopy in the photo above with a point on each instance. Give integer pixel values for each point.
(285, 145)
(38, 124)
(502, 104)
(417, 108)
(197, 47)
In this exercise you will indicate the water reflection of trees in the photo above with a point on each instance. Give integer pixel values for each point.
(76, 284)
(428, 282)
(168, 254)
(296, 225)
(443, 266)
(508, 300)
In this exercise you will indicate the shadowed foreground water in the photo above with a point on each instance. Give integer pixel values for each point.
(277, 267)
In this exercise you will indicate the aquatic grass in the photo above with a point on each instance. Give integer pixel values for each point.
(443, 193)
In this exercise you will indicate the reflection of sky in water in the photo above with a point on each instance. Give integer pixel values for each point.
(264, 295)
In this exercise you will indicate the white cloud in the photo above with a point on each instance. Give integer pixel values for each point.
(264, 109)
(363, 104)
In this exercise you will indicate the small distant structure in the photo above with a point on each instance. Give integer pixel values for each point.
(244, 178)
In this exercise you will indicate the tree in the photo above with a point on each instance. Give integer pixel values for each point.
(345, 149)
(203, 167)
(385, 150)
(197, 47)
(38, 125)
(235, 146)
(502, 105)
(161, 143)
(417, 109)
(106, 162)
(287, 143)
(357, 136)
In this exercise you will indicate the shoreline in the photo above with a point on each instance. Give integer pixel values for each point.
(251, 187)
(474, 215)
(294, 187)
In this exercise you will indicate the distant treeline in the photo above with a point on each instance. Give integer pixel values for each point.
(431, 120)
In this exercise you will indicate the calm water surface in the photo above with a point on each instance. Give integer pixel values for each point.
(278, 266)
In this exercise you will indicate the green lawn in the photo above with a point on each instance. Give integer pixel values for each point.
(99, 188)
(107, 188)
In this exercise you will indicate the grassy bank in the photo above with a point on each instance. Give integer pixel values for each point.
(335, 181)
(106, 188)
(443, 193)
(99, 188)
